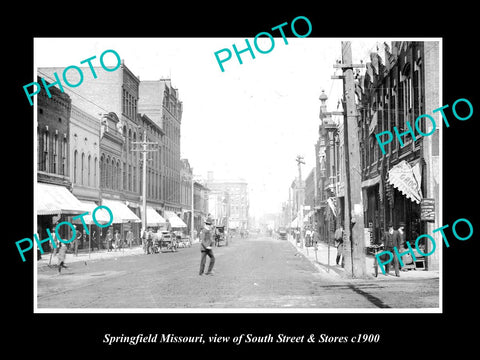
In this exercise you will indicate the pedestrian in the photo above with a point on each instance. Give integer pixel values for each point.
(340, 245)
(407, 258)
(109, 238)
(129, 238)
(392, 239)
(76, 240)
(117, 240)
(62, 254)
(206, 248)
(401, 232)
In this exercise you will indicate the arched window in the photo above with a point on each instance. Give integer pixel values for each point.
(118, 175)
(55, 154)
(45, 151)
(95, 166)
(103, 172)
(75, 165)
(82, 170)
(89, 171)
(108, 172)
(64, 157)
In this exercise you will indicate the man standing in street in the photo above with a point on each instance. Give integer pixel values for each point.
(206, 248)
(392, 239)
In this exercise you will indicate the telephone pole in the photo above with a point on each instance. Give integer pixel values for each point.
(144, 149)
(300, 161)
(354, 228)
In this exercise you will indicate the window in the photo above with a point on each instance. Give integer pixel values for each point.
(95, 172)
(82, 170)
(108, 168)
(125, 184)
(75, 155)
(102, 171)
(130, 177)
(135, 187)
(55, 154)
(45, 151)
(89, 169)
(63, 166)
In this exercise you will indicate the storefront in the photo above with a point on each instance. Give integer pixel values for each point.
(404, 195)
(123, 220)
(154, 219)
(55, 204)
(91, 240)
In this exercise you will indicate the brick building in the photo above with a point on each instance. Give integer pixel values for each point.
(391, 95)
(54, 201)
(160, 101)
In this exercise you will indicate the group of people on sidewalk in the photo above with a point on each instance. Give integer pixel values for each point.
(392, 238)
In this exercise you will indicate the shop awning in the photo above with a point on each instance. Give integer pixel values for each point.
(121, 212)
(174, 220)
(55, 199)
(101, 215)
(331, 201)
(294, 223)
(153, 217)
(402, 177)
(371, 182)
(308, 216)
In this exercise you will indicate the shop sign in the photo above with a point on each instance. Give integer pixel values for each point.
(427, 210)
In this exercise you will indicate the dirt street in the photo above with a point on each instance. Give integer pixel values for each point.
(255, 273)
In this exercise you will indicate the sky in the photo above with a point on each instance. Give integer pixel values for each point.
(250, 121)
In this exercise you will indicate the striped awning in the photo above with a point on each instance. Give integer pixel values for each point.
(101, 215)
(121, 212)
(403, 177)
(55, 199)
(153, 217)
(174, 220)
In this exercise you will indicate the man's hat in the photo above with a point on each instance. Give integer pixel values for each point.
(402, 223)
(208, 221)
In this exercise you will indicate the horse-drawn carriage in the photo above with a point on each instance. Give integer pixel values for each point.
(164, 241)
(183, 241)
(220, 236)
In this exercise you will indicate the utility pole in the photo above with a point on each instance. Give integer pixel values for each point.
(144, 150)
(193, 210)
(300, 161)
(354, 228)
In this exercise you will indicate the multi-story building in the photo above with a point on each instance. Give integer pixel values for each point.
(186, 188)
(160, 101)
(392, 94)
(219, 206)
(85, 163)
(153, 134)
(237, 191)
(328, 162)
(201, 204)
(54, 201)
(112, 98)
(310, 198)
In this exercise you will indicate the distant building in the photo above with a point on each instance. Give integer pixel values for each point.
(237, 191)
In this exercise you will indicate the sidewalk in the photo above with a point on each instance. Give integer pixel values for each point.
(97, 255)
(320, 259)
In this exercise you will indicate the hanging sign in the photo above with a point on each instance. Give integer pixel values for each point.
(427, 209)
